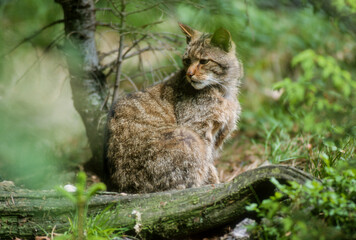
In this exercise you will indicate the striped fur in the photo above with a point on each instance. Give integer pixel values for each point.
(168, 136)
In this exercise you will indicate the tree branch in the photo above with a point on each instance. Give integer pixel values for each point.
(144, 9)
(168, 215)
(134, 44)
(109, 10)
(115, 94)
(34, 35)
(40, 58)
(146, 49)
(130, 81)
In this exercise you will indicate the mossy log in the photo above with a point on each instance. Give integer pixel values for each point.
(171, 214)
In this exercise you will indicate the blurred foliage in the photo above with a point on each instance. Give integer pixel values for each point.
(298, 98)
(322, 96)
(80, 226)
(288, 45)
(41, 137)
(345, 5)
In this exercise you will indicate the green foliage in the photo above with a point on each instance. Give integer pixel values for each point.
(80, 229)
(31, 149)
(42, 138)
(41, 12)
(322, 97)
(328, 154)
(97, 227)
(297, 50)
(281, 147)
(317, 210)
(94, 227)
(348, 6)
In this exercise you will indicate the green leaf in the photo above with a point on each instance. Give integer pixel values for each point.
(95, 188)
(252, 207)
(66, 194)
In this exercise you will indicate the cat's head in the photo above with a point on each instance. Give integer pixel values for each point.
(210, 59)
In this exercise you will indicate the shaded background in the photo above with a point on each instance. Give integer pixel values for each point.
(298, 93)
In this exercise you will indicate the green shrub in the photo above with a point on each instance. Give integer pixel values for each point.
(316, 210)
(321, 97)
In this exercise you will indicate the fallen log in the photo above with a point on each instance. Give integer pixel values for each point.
(164, 215)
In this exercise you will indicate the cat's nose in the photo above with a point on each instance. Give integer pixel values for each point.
(190, 73)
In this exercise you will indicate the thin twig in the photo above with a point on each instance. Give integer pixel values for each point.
(146, 49)
(132, 82)
(143, 9)
(121, 13)
(140, 64)
(113, 26)
(119, 55)
(152, 70)
(110, 71)
(105, 54)
(168, 54)
(104, 103)
(109, 10)
(133, 45)
(151, 24)
(52, 233)
(33, 35)
(49, 46)
(154, 5)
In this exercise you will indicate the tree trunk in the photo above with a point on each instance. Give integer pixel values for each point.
(171, 214)
(87, 81)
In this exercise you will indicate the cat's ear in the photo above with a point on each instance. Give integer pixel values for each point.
(188, 31)
(222, 39)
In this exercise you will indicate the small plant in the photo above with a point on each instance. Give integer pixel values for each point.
(316, 210)
(327, 154)
(81, 199)
(322, 95)
(280, 147)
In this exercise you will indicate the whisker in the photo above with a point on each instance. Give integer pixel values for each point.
(214, 82)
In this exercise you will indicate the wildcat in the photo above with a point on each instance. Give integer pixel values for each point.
(168, 136)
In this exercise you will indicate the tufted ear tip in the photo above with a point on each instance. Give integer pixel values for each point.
(188, 31)
(222, 39)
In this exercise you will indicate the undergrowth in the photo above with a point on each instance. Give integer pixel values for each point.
(321, 101)
(323, 209)
(82, 227)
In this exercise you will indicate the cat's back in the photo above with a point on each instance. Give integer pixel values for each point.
(134, 133)
(146, 109)
(137, 120)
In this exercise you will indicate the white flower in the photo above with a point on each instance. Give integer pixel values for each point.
(70, 188)
(138, 224)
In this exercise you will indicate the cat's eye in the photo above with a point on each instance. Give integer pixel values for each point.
(186, 61)
(203, 61)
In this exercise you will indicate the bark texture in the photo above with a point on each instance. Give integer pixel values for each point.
(164, 215)
(87, 81)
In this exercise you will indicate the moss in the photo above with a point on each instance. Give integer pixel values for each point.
(165, 214)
